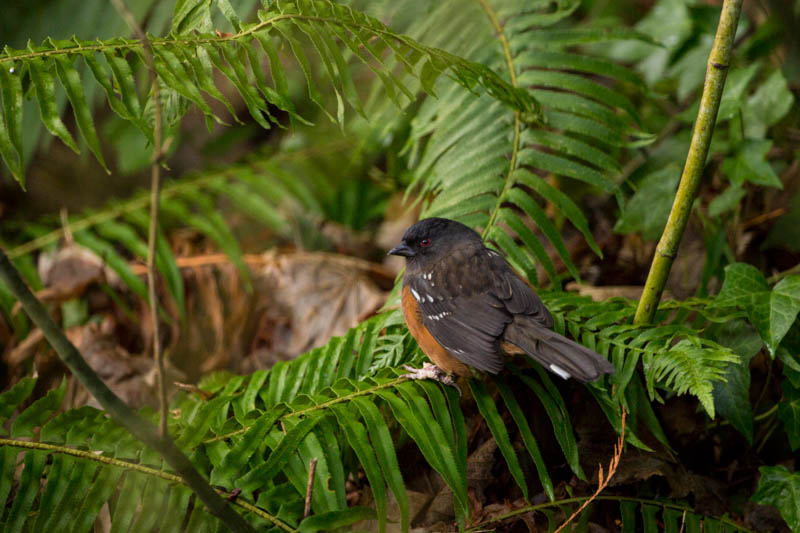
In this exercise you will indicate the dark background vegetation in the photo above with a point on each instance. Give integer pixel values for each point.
(274, 241)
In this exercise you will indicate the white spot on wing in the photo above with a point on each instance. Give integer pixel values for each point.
(430, 298)
(560, 371)
(416, 294)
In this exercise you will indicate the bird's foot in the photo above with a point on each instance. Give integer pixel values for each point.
(429, 371)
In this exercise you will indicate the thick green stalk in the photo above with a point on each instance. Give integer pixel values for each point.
(716, 71)
(140, 428)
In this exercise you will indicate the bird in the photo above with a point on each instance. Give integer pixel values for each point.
(468, 309)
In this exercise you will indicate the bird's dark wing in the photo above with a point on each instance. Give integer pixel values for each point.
(466, 301)
(517, 296)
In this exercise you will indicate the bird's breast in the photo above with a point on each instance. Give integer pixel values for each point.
(432, 348)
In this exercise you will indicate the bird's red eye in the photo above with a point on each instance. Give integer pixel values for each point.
(425, 242)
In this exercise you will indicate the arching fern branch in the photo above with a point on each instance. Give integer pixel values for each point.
(185, 64)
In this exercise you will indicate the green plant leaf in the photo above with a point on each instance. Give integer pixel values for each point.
(13, 397)
(781, 489)
(356, 435)
(497, 426)
(37, 413)
(772, 313)
(34, 463)
(689, 366)
(191, 15)
(556, 410)
(784, 306)
(733, 95)
(731, 397)
(383, 445)
(647, 210)
(8, 466)
(335, 519)
(789, 413)
(742, 284)
(417, 419)
(726, 201)
(237, 458)
(48, 108)
(276, 461)
(11, 123)
(71, 80)
(750, 164)
(527, 437)
(769, 104)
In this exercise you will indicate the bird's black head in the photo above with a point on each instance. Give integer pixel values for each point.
(434, 237)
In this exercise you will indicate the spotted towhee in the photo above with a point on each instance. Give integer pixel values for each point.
(467, 308)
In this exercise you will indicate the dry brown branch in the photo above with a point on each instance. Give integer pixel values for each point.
(602, 482)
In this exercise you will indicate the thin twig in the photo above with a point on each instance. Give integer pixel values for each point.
(312, 471)
(155, 187)
(602, 481)
(667, 249)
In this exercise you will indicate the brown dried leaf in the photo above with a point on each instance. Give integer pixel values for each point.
(69, 271)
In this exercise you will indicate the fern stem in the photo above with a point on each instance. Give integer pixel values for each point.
(127, 465)
(131, 44)
(119, 44)
(139, 427)
(323, 405)
(716, 72)
(90, 456)
(517, 122)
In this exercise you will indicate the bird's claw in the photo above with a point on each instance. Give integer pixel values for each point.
(429, 371)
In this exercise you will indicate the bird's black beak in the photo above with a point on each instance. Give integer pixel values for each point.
(402, 249)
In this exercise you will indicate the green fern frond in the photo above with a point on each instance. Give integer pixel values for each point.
(690, 365)
(185, 63)
(674, 354)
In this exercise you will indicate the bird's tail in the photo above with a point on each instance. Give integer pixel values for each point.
(563, 357)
